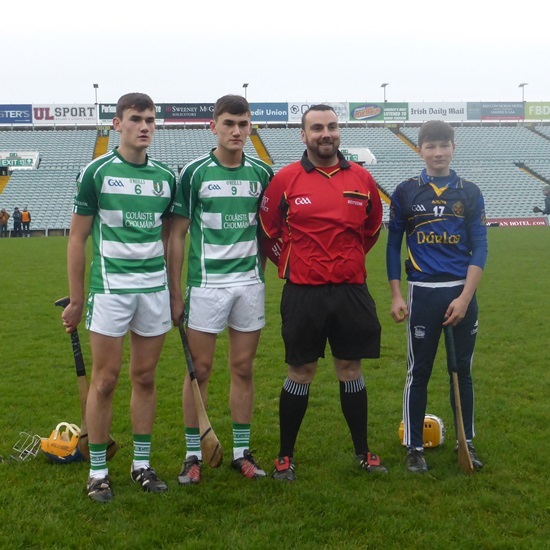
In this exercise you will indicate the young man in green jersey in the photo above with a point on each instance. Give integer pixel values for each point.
(217, 201)
(123, 200)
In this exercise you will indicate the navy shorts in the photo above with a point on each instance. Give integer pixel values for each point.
(343, 314)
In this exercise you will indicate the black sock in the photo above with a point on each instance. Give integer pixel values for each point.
(292, 409)
(353, 398)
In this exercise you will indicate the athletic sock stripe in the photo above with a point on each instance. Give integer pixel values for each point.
(295, 388)
(354, 386)
(193, 442)
(98, 460)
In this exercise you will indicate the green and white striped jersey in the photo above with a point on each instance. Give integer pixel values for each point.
(127, 202)
(222, 204)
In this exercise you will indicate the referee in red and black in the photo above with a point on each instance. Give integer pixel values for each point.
(323, 214)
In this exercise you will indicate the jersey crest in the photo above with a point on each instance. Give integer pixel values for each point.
(158, 188)
(458, 209)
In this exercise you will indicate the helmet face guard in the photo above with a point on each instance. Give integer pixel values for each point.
(26, 447)
(62, 445)
(433, 434)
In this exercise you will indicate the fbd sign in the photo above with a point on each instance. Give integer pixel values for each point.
(537, 111)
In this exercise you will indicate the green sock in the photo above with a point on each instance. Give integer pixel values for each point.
(142, 451)
(241, 439)
(98, 459)
(193, 443)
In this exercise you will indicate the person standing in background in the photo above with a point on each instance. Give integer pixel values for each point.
(4, 217)
(26, 221)
(17, 222)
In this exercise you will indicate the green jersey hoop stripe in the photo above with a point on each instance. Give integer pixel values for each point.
(113, 265)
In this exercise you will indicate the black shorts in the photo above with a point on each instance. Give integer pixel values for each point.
(343, 314)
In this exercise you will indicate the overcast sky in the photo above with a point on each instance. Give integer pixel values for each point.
(289, 50)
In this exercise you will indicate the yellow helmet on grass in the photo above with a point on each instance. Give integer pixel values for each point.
(433, 434)
(62, 445)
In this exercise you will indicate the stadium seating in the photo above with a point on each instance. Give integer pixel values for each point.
(505, 143)
(47, 193)
(58, 148)
(509, 163)
(177, 146)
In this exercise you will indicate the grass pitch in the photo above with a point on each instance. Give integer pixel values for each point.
(332, 504)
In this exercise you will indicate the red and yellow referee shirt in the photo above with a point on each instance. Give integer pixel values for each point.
(328, 220)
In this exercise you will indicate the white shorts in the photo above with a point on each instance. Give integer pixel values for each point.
(239, 307)
(146, 314)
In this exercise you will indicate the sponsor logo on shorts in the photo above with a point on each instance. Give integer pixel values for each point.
(474, 330)
(420, 332)
(302, 200)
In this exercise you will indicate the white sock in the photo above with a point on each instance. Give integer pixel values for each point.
(238, 452)
(99, 474)
(139, 464)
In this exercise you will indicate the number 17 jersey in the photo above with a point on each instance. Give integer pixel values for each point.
(443, 225)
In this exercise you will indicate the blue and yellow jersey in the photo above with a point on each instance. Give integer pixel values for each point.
(444, 222)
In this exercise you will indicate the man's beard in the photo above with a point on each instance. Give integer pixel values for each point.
(322, 152)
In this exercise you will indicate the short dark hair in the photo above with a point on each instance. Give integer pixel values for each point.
(435, 130)
(232, 104)
(134, 100)
(320, 107)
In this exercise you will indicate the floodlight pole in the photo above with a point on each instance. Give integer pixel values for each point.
(96, 86)
(245, 86)
(522, 86)
(383, 85)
